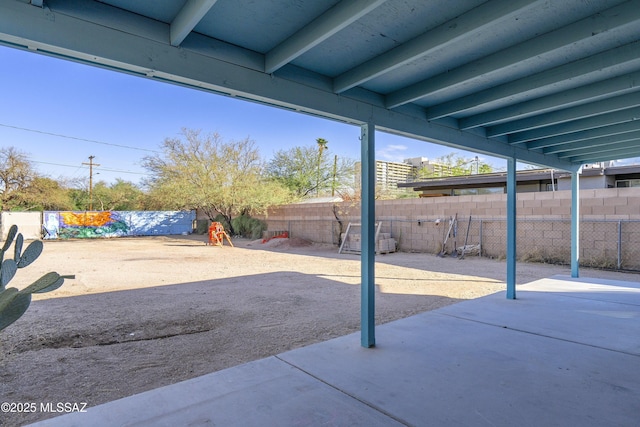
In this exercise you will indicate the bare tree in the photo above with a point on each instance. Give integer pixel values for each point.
(16, 175)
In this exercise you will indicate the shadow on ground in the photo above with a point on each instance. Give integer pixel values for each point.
(101, 347)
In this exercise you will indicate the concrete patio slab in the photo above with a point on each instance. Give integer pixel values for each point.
(439, 370)
(565, 353)
(586, 312)
(267, 392)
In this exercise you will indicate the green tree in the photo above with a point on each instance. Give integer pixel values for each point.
(79, 199)
(44, 194)
(304, 171)
(120, 196)
(207, 173)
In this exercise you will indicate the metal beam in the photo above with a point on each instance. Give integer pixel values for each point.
(440, 37)
(605, 157)
(587, 30)
(333, 20)
(511, 228)
(556, 144)
(624, 151)
(187, 19)
(368, 244)
(569, 98)
(610, 145)
(432, 132)
(595, 67)
(38, 3)
(596, 145)
(581, 112)
(564, 128)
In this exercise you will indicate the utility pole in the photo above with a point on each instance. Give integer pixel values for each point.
(91, 165)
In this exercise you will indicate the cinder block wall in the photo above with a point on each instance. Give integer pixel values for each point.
(543, 221)
(602, 204)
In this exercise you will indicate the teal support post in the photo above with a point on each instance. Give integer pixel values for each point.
(575, 224)
(368, 248)
(511, 228)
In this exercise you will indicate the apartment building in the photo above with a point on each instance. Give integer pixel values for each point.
(391, 176)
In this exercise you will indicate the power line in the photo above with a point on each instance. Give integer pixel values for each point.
(122, 171)
(77, 167)
(55, 164)
(79, 139)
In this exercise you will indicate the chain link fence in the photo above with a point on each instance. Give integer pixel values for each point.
(603, 244)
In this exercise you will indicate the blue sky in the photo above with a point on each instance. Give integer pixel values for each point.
(108, 112)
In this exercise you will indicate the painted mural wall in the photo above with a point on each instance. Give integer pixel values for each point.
(89, 225)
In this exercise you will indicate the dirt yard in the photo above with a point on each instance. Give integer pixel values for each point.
(142, 313)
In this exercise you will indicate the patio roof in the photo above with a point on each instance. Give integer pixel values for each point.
(552, 83)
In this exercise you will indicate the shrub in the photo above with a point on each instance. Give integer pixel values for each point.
(246, 226)
(14, 302)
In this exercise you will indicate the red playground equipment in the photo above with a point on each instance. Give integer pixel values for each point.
(217, 235)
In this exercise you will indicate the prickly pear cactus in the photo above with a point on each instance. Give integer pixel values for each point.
(14, 302)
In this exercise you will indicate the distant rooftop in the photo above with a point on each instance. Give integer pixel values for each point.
(499, 179)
